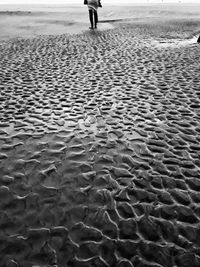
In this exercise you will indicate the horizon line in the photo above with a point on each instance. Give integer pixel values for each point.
(105, 4)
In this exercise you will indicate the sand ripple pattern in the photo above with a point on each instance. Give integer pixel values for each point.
(99, 152)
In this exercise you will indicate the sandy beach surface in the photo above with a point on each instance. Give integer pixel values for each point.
(100, 138)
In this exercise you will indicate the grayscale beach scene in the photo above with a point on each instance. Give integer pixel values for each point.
(100, 135)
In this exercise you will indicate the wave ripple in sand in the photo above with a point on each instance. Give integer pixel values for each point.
(99, 152)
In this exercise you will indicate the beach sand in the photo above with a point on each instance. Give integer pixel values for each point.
(100, 143)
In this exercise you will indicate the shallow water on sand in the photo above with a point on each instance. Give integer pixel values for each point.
(17, 21)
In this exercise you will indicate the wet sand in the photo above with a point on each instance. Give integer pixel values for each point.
(100, 148)
(29, 21)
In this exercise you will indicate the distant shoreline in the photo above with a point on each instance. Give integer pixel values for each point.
(106, 4)
(65, 7)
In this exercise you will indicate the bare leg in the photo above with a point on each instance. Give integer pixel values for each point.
(91, 18)
(95, 18)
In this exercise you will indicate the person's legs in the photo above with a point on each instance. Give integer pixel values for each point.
(91, 18)
(95, 18)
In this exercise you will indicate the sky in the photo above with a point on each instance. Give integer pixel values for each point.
(103, 1)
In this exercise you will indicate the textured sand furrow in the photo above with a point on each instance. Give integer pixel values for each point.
(99, 151)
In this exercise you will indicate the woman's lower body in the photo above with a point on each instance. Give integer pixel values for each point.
(93, 16)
